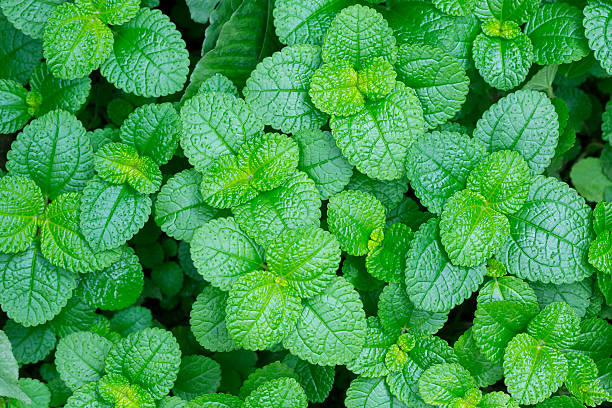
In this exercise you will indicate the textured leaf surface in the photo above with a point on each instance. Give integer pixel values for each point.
(87, 396)
(389, 192)
(316, 380)
(331, 329)
(277, 89)
(116, 389)
(208, 320)
(597, 25)
(370, 393)
(36, 391)
(264, 374)
(216, 401)
(541, 246)
(29, 16)
(582, 380)
(280, 393)
(376, 140)
(260, 311)
(13, 106)
(555, 325)
(149, 57)
(21, 204)
(111, 214)
(578, 294)
(9, 372)
(523, 121)
(197, 375)
(222, 252)
(387, 262)
(438, 165)
(114, 12)
(483, 371)
(432, 281)
(513, 10)
(79, 358)
(30, 344)
(149, 358)
(370, 362)
(32, 291)
(440, 384)
(55, 152)
(438, 79)
(334, 89)
(57, 93)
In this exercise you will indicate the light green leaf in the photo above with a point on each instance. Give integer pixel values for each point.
(9, 372)
(149, 358)
(208, 320)
(227, 183)
(433, 283)
(87, 397)
(563, 401)
(261, 310)
(294, 204)
(455, 7)
(555, 325)
(198, 375)
(600, 252)
(594, 338)
(376, 79)
(118, 390)
(376, 140)
(111, 214)
(277, 90)
(533, 371)
(36, 391)
(497, 399)
(438, 79)
(370, 362)
(470, 230)
(222, 252)
(316, 380)
(389, 192)
(507, 288)
(153, 130)
(370, 393)
(79, 358)
(131, 320)
(442, 384)
(215, 124)
(30, 344)
(503, 62)
(14, 106)
(334, 89)
(582, 380)
(49, 92)
(602, 217)
(597, 24)
(523, 121)
(557, 34)
(115, 287)
(114, 12)
(589, 179)
(120, 163)
(323, 162)
(264, 374)
(149, 57)
(438, 165)
(76, 42)
(218, 83)
(216, 401)
(280, 393)
(55, 152)
(518, 11)
(179, 208)
(331, 329)
(358, 34)
(305, 258)
(484, 372)
(578, 294)
(541, 247)
(29, 16)
(503, 180)
(21, 205)
(387, 262)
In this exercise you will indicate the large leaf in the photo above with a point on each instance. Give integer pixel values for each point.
(597, 26)
(56, 93)
(79, 358)
(9, 372)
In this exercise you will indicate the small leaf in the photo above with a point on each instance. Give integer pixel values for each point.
(79, 358)
(13, 106)
(333, 89)
(483, 371)
(29, 16)
(377, 79)
(87, 397)
(600, 252)
(370, 362)
(370, 392)
(555, 325)
(443, 383)
(208, 320)
(507, 10)
(56, 93)
(455, 7)
(582, 380)
(9, 372)
(280, 393)
(264, 374)
(316, 380)
(117, 390)
(30, 344)
(114, 12)
(387, 262)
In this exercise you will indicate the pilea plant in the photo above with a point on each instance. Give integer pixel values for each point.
(369, 204)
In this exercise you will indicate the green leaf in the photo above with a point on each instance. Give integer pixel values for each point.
(277, 90)
(216, 401)
(149, 57)
(433, 283)
(589, 179)
(543, 81)
(387, 262)
(113, 12)
(557, 34)
(484, 372)
(29, 16)
(261, 310)
(294, 204)
(438, 79)
(503, 63)
(508, 288)
(149, 358)
(323, 162)
(594, 338)
(554, 251)
(79, 358)
(76, 316)
(518, 11)
(117, 390)
(264, 374)
(398, 314)
(563, 401)
(218, 83)
(602, 217)
(227, 183)
(370, 362)
(497, 399)
(376, 79)
(356, 219)
(305, 258)
(13, 106)
(597, 24)
(115, 287)
(354, 270)
(533, 371)
(334, 89)
(582, 380)
(200, 10)
(438, 165)
(56, 93)
(555, 325)
(55, 152)
(87, 397)
(525, 122)
(280, 393)
(358, 34)
(317, 381)
(578, 294)
(455, 7)
(111, 213)
(179, 207)
(120, 163)
(76, 42)
(503, 180)
(376, 140)
(222, 252)
(215, 124)
(153, 130)
(30, 344)
(198, 375)
(36, 391)
(600, 252)
(32, 291)
(305, 22)
(331, 329)
(9, 372)
(371, 393)
(441, 384)
(21, 205)
(389, 192)
(168, 277)
(131, 320)
(470, 230)
(208, 320)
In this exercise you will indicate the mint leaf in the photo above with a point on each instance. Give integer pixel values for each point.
(334, 89)
(208, 320)
(197, 375)
(29, 16)
(370, 392)
(387, 262)
(30, 344)
(10, 372)
(316, 380)
(442, 384)
(79, 358)
(582, 380)
(280, 393)
(56, 93)
(13, 106)
(596, 24)
(555, 325)
(370, 362)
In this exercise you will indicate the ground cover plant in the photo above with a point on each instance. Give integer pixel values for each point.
(305, 203)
